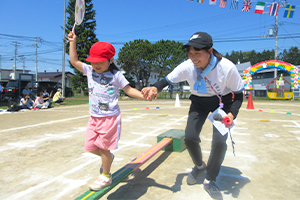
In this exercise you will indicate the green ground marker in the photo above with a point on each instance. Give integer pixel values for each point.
(177, 144)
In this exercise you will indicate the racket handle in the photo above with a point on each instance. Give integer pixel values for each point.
(73, 27)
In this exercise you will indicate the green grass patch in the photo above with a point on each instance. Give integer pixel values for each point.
(75, 100)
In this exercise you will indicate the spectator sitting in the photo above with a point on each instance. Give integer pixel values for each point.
(47, 97)
(39, 101)
(27, 103)
(46, 94)
(57, 98)
(26, 90)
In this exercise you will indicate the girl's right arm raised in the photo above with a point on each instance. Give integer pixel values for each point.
(73, 52)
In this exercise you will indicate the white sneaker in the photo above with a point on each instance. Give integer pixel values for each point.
(43, 107)
(101, 183)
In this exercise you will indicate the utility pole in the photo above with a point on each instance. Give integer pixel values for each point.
(276, 41)
(36, 61)
(63, 82)
(276, 36)
(36, 55)
(16, 44)
(282, 3)
(23, 57)
(23, 64)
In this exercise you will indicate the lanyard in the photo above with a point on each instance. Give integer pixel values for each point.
(221, 106)
(232, 142)
(220, 98)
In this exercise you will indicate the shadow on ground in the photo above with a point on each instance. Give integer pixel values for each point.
(138, 186)
(229, 181)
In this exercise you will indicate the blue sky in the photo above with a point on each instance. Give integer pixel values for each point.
(120, 21)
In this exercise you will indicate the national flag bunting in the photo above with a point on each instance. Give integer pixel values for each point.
(259, 9)
(289, 11)
(234, 4)
(223, 3)
(274, 9)
(247, 6)
(212, 2)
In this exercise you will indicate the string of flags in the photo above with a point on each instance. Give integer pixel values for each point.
(259, 8)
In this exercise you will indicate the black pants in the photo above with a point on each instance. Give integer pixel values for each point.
(199, 110)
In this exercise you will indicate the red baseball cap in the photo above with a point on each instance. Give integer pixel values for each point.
(101, 51)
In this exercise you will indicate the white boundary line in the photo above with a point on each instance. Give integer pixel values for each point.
(44, 184)
(45, 137)
(44, 123)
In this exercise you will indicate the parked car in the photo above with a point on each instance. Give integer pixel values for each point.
(3, 84)
(11, 90)
(39, 86)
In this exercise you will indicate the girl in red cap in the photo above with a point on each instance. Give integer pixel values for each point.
(104, 82)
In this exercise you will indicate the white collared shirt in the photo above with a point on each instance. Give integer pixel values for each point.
(224, 78)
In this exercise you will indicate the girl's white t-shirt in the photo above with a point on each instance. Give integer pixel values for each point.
(104, 91)
(224, 78)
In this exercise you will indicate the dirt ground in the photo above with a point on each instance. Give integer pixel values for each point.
(42, 153)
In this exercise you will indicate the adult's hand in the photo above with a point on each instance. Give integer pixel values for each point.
(149, 92)
(230, 116)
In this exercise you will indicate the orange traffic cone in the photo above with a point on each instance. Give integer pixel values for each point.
(250, 102)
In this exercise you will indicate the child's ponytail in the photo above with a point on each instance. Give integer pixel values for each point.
(113, 67)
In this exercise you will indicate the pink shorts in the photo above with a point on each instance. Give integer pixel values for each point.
(103, 133)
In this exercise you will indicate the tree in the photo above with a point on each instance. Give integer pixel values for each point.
(136, 58)
(86, 37)
(255, 57)
(291, 56)
(267, 55)
(251, 56)
(235, 56)
(141, 58)
(168, 54)
(248, 56)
